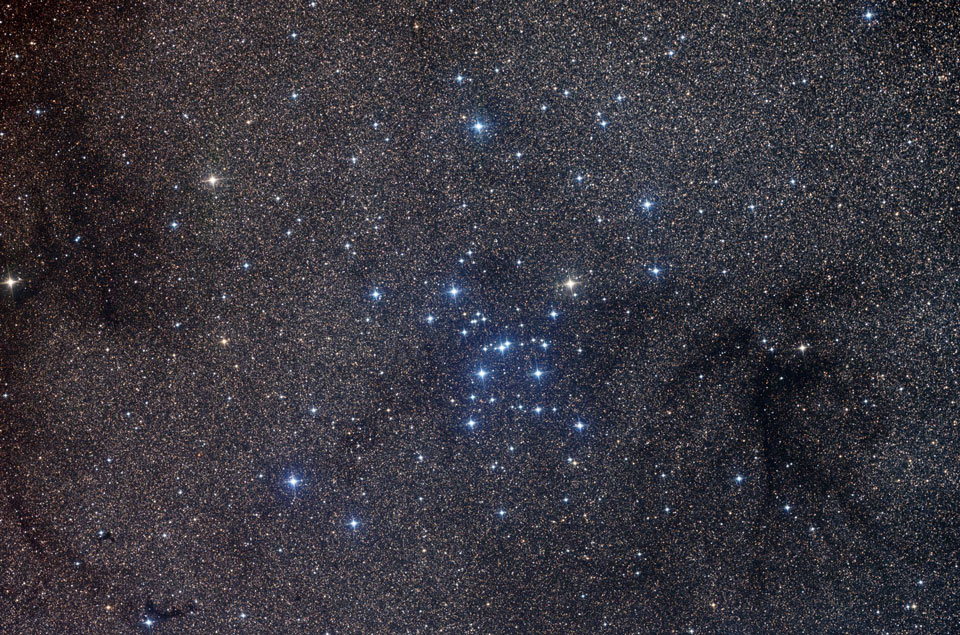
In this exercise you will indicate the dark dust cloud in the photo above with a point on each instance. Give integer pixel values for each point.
(527, 317)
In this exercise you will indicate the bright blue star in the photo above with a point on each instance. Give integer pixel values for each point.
(376, 295)
(293, 481)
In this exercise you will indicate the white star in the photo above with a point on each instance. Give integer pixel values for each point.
(293, 481)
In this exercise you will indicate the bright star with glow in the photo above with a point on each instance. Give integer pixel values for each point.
(454, 292)
(471, 423)
(376, 295)
(538, 374)
(479, 126)
(570, 284)
(482, 374)
(293, 481)
(579, 425)
(354, 523)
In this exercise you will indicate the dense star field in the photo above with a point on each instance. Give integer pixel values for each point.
(558, 317)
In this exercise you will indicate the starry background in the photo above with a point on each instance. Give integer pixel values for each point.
(542, 317)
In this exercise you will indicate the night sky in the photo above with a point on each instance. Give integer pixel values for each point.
(519, 317)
